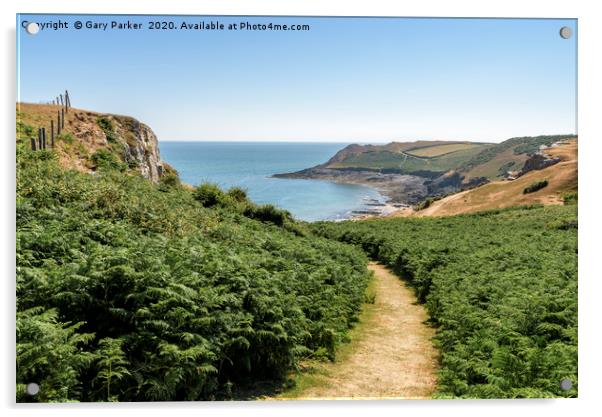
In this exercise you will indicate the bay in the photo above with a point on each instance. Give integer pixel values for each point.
(250, 165)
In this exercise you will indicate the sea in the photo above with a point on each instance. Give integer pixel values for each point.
(250, 165)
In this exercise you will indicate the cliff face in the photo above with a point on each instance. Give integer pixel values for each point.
(89, 139)
(141, 147)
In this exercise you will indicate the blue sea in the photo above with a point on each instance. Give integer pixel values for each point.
(250, 165)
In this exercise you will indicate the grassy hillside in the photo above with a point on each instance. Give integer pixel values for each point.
(435, 156)
(132, 291)
(473, 160)
(501, 288)
(509, 155)
(561, 178)
(90, 140)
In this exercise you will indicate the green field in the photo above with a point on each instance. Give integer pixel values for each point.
(406, 163)
(433, 151)
(501, 288)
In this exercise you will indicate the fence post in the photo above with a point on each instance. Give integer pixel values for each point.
(43, 138)
(67, 100)
(39, 138)
(62, 118)
(58, 122)
(52, 133)
(33, 143)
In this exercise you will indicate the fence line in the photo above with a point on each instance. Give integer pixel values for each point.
(63, 102)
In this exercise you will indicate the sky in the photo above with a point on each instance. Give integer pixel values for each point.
(363, 80)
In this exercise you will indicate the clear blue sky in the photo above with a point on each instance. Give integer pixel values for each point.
(346, 79)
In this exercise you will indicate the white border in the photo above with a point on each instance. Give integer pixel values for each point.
(590, 136)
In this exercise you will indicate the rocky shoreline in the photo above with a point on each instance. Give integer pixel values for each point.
(402, 190)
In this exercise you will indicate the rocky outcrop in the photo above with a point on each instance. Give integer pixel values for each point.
(538, 161)
(141, 147)
(131, 141)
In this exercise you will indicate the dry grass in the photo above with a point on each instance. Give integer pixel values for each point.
(562, 178)
(391, 357)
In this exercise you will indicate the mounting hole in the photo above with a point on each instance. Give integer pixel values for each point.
(566, 32)
(566, 384)
(32, 28)
(32, 388)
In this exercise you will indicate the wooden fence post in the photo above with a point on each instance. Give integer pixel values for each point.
(52, 133)
(33, 143)
(62, 118)
(58, 122)
(67, 100)
(43, 138)
(39, 138)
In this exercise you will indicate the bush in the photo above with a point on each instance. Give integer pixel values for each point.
(66, 137)
(536, 186)
(424, 204)
(104, 159)
(267, 213)
(108, 128)
(168, 181)
(238, 194)
(570, 198)
(208, 194)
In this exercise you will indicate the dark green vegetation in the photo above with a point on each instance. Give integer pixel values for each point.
(108, 128)
(500, 286)
(131, 291)
(536, 186)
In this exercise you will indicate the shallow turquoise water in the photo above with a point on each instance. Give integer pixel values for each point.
(250, 164)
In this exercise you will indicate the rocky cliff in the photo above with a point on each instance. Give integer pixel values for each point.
(90, 139)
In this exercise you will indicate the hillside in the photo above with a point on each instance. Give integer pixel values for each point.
(131, 290)
(500, 287)
(407, 157)
(410, 172)
(561, 178)
(90, 140)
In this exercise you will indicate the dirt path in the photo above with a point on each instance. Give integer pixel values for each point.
(392, 357)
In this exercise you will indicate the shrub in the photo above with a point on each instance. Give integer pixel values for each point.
(570, 198)
(107, 127)
(424, 204)
(24, 130)
(267, 213)
(168, 181)
(536, 186)
(238, 194)
(104, 159)
(208, 194)
(66, 137)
